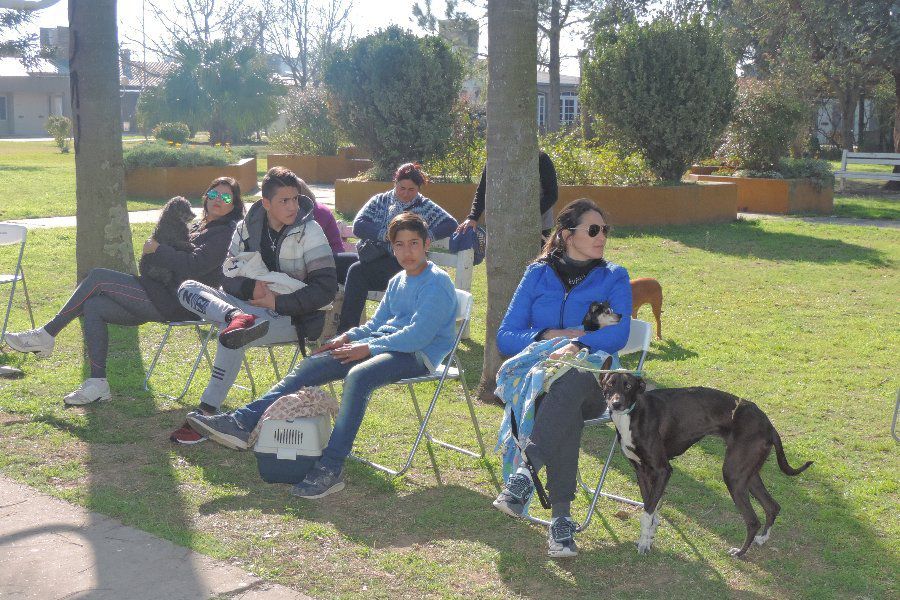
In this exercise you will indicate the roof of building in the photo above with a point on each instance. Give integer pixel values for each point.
(544, 77)
(13, 67)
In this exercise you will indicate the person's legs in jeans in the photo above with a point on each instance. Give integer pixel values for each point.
(362, 379)
(361, 279)
(215, 305)
(315, 370)
(556, 438)
(100, 310)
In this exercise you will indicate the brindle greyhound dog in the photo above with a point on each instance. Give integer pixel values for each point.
(656, 426)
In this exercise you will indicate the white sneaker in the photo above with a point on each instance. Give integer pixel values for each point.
(34, 340)
(95, 389)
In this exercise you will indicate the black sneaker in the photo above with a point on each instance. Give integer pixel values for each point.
(222, 428)
(515, 495)
(561, 539)
(319, 482)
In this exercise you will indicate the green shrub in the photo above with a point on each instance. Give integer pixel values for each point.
(666, 87)
(580, 162)
(309, 129)
(393, 94)
(767, 118)
(162, 155)
(466, 153)
(60, 128)
(807, 168)
(177, 133)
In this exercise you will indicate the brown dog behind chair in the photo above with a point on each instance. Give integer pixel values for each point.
(647, 291)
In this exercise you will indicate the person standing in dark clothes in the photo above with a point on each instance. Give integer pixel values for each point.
(107, 296)
(549, 196)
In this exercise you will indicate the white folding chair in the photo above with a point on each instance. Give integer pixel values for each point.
(204, 351)
(450, 368)
(14, 234)
(639, 337)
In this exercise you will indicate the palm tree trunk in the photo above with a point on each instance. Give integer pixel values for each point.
(511, 199)
(553, 36)
(103, 237)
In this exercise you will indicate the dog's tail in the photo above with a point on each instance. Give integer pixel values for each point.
(782, 459)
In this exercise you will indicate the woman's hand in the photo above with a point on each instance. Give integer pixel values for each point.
(566, 333)
(567, 350)
(150, 246)
(332, 344)
(267, 300)
(467, 224)
(351, 353)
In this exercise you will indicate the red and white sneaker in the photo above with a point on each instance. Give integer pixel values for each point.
(242, 330)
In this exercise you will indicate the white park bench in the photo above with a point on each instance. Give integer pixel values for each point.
(867, 158)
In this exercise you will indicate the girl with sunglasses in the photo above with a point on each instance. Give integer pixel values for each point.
(107, 296)
(550, 303)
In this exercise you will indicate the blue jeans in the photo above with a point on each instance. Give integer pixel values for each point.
(361, 378)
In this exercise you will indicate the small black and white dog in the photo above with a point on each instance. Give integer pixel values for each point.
(172, 230)
(600, 315)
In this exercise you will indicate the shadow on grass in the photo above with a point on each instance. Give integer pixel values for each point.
(112, 441)
(745, 238)
(669, 350)
(20, 168)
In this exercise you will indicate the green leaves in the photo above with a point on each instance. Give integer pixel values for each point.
(393, 94)
(667, 88)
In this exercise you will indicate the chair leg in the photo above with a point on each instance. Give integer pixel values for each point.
(598, 491)
(159, 350)
(12, 293)
(274, 362)
(27, 298)
(462, 382)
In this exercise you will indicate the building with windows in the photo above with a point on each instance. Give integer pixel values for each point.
(568, 99)
(29, 96)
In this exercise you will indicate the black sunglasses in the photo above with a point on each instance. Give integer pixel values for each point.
(593, 230)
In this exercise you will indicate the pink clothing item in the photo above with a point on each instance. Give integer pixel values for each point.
(322, 215)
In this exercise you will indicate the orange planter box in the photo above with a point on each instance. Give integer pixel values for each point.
(320, 169)
(190, 182)
(683, 204)
(781, 196)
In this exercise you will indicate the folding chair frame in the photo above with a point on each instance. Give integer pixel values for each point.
(444, 370)
(605, 418)
(204, 351)
(18, 274)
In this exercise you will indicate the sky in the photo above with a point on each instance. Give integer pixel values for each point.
(366, 16)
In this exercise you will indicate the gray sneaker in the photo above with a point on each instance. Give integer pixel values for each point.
(561, 539)
(222, 428)
(515, 495)
(319, 482)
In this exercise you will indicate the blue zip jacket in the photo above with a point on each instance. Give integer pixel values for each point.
(541, 302)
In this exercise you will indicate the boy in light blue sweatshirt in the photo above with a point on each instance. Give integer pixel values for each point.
(410, 334)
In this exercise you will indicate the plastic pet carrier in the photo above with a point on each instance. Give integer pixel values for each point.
(287, 448)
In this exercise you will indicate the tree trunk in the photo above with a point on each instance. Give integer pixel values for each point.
(847, 100)
(103, 237)
(552, 116)
(895, 185)
(511, 199)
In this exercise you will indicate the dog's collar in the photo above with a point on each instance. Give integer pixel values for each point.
(626, 412)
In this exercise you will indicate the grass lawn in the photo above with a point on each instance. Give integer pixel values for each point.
(36, 180)
(793, 315)
(866, 207)
(836, 166)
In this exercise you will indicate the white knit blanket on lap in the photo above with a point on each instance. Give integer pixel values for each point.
(251, 265)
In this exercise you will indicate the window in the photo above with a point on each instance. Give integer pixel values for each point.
(541, 109)
(2, 108)
(568, 108)
(56, 106)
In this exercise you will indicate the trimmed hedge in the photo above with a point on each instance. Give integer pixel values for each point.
(166, 155)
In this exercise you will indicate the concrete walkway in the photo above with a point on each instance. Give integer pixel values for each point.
(51, 549)
(324, 194)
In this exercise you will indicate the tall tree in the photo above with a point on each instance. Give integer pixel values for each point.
(553, 17)
(103, 237)
(512, 150)
(303, 34)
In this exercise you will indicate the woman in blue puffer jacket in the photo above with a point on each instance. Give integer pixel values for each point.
(551, 302)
